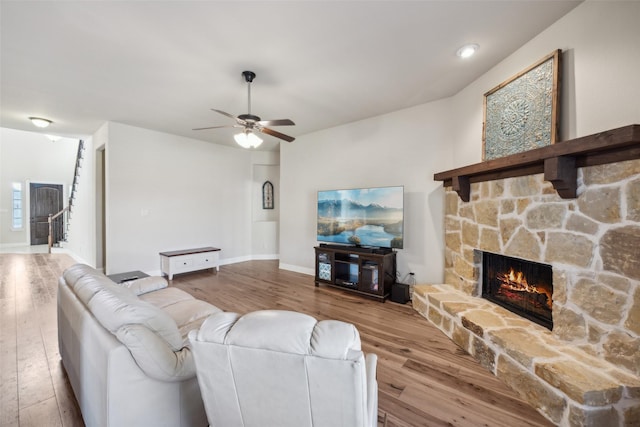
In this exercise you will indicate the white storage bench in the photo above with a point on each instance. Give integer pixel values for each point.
(184, 261)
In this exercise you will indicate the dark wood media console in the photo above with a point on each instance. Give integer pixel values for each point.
(369, 272)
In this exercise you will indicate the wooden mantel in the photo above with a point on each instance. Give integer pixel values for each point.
(559, 161)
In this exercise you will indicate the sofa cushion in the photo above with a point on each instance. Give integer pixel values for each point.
(165, 297)
(284, 331)
(76, 271)
(87, 286)
(280, 331)
(153, 355)
(191, 316)
(115, 307)
(335, 340)
(185, 310)
(145, 285)
(215, 328)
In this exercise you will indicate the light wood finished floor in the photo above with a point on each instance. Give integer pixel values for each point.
(424, 379)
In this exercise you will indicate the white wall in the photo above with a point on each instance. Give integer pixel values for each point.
(600, 92)
(402, 148)
(30, 157)
(166, 192)
(84, 218)
(600, 85)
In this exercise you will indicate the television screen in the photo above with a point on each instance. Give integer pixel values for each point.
(363, 217)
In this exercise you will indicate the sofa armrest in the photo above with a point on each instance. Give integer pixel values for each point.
(145, 285)
(154, 356)
(371, 361)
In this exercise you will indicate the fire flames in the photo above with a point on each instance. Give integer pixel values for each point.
(514, 285)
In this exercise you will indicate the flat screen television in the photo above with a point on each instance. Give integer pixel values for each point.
(372, 217)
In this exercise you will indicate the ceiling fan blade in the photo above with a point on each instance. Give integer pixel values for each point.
(237, 119)
(276, 134)
(215, 127)
(280, 122)
(224, 113)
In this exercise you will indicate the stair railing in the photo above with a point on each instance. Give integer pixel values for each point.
(59, 222)
(57, 225)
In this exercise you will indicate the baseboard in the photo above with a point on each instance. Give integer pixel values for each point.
(297, 269)
(73, 255)
(265, 257)
(13, 245)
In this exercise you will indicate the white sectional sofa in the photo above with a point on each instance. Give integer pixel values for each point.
(126, 352)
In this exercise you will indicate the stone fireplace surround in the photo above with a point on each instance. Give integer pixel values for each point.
(587, 370)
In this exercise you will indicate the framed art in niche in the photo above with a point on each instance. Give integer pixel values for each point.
(267, 195)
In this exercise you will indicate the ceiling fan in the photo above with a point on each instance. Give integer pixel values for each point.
(251, 123)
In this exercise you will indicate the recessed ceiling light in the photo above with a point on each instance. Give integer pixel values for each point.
(40, 122)
(467, 50)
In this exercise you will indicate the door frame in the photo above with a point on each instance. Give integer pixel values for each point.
(101, 207)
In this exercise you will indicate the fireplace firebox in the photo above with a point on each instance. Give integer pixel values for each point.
(522, 287)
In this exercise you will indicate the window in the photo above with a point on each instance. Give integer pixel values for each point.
(16, 198)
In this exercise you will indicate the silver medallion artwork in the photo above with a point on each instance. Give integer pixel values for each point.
(520, 114)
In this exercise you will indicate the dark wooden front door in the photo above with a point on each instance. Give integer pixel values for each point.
(45, 199)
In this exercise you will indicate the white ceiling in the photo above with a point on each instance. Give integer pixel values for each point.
(163, 64)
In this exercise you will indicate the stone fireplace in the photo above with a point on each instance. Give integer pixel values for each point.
(586, 371)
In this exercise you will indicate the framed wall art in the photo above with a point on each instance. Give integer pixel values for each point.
(267, 195)
(522, 113)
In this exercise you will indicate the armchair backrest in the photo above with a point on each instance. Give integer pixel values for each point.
(282, 368)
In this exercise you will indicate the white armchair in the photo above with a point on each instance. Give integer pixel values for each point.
(285, 369)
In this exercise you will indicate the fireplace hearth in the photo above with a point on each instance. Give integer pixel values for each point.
(522, 287)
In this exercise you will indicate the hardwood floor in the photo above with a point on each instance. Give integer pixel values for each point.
(424, 379)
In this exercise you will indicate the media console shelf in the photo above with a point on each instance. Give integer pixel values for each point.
(369, 272)
(183, 261)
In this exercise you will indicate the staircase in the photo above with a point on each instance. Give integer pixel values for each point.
(59, 222)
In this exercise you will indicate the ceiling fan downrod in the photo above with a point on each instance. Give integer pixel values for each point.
(248, 77)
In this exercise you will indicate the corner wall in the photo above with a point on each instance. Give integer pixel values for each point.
(600, 88)
(166, 192)
(600, 92)
(402, 148)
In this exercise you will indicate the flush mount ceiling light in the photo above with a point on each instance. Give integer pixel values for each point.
(247, 139)
(467, 50)
(40, 122)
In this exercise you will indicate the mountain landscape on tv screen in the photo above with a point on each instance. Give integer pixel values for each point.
(351, 222)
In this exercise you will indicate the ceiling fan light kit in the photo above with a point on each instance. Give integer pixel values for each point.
(248, 139)
(251, 123)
